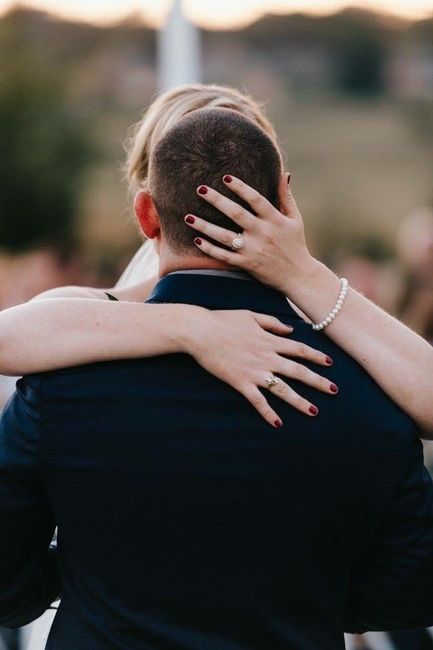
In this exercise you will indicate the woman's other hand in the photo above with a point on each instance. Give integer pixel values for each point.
(261, 351)
(274, 246)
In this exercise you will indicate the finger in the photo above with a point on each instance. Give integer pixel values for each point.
(287, 394)
(221, 235)
(291, 348)
(236, 212)
(260, 403)
(259, 204)
(272, 324)
(306, 376)
(221, 254)
(286, 199)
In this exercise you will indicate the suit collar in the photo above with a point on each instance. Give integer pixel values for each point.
(220, 292)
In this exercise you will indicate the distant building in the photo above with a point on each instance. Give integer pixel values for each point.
(179, 55)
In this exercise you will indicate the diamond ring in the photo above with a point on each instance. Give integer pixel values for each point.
(271, 381)
(238, 242)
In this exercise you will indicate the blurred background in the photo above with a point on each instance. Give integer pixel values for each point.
(349, 88)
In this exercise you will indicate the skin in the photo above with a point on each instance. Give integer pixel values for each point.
(276, 253)
(32, 336)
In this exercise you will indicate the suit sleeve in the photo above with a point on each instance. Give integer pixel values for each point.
(29, 574)
(392, 586)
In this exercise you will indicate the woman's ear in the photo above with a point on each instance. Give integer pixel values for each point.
(147, 214)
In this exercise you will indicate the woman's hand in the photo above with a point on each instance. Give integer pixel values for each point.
(274, 245)
(243, 350)
(261, 350)
(275, 252)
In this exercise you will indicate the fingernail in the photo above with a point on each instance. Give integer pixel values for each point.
(313, 410)
(227, 179)
(189, 219)
(202, 189)
(290, 328)
(329, 361)
(197, 241)
(333, 388)
(288, 179)
(278, 423)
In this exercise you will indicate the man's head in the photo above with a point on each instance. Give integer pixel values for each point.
(203, 146)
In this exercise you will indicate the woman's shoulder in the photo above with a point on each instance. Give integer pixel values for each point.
(72, 292)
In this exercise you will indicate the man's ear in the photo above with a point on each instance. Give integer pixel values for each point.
(147, 214)
(284, 194)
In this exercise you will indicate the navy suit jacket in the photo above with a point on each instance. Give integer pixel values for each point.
(187, 522)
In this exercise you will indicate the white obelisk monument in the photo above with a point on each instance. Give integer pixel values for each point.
(179, 51)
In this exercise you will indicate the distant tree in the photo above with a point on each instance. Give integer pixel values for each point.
(44, 152)
(361, 66)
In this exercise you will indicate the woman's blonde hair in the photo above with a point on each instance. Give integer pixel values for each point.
(168, 108)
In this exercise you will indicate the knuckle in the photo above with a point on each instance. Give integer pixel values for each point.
(255, 199)
(257, 399)
(302, 403)
(253, 264)
(281, 388)
(297, 401)
(238, 213)
(302, 349)
(324, 383)
(299, 371)
(225, 256)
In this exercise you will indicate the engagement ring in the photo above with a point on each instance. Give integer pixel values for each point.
(271, 381)
(238, 242)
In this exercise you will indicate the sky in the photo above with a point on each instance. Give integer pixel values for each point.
(215, 14)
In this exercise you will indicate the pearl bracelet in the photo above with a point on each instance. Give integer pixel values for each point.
(344, 288)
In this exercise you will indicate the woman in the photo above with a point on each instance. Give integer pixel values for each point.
(33, 336)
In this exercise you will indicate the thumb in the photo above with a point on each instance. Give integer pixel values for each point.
(286, 199)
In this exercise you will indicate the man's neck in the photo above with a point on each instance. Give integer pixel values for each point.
(173, 263)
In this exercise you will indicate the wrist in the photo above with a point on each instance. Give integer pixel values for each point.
(313, 289)
(302, 275)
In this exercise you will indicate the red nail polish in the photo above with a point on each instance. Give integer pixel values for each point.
(313, 410)
(189, 219)
(333, 388)
(227, 179)
(202, 189)
(329, 361)
(197, 241)
(278, 423)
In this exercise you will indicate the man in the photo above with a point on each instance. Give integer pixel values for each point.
(183, 520)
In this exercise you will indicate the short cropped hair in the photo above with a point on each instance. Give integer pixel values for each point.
(202, 147)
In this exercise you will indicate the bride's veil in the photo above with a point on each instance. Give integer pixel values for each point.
(142, 267)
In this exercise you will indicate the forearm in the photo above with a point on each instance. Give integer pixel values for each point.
(399, 360)
(58, 333)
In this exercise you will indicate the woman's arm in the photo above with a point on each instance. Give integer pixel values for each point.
(399, 360)
(62, 332)
(396, 357)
